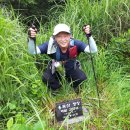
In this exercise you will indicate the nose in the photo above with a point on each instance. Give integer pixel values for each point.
(63, 38)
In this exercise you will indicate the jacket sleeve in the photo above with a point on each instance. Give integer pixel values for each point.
(32, 48)
(93, 46)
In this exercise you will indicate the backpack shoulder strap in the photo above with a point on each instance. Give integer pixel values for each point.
(58, 49)
(71, 42)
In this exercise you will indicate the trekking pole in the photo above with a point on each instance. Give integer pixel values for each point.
(93, 68)
(37, 61)
(34, 38)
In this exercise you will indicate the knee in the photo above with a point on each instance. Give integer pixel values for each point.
(51, 81)
(80, 80)
(83, 77)
(47, 76)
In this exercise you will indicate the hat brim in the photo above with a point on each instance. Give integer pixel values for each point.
(55, 33)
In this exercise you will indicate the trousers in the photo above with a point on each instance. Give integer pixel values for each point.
(74, 75)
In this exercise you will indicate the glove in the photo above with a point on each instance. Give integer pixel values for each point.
(32, 32)
(86, 30)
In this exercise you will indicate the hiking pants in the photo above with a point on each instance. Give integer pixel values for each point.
(74, 75)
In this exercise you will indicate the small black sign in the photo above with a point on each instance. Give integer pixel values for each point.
(70, 109)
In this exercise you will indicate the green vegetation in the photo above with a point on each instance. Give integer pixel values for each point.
(25, 102)
(33, 10)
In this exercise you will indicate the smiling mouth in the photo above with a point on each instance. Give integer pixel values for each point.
(63, 43)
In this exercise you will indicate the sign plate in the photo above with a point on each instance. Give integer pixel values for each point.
(69, 109)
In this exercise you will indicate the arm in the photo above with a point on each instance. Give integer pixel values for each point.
(93, 46)
(31, 47)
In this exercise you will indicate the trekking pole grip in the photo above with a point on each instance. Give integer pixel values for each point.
(34, 27)
(87, 34)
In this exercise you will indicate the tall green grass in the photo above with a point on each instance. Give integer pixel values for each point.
(19, 76)
(25, 102)
(107, 18)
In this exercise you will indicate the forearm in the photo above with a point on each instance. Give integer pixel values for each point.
(32, 48)
(93, 46)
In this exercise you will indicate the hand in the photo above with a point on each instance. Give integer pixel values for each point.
(86, 29)
(32, 32)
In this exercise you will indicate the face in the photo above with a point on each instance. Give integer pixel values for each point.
(63, 39)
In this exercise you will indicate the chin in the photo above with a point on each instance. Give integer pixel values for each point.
(64, 46)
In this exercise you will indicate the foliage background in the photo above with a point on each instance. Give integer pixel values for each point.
(34, 10)
(25, 102)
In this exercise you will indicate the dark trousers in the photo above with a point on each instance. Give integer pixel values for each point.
(76, 76)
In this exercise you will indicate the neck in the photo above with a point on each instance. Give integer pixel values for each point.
(64, 50)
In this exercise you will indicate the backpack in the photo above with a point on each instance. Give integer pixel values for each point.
(72, 51)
